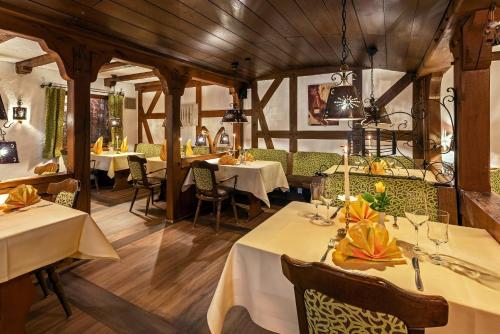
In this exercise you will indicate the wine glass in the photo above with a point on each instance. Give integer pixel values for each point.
(316, 195)
(437, 232)
(328, 201)
(417, 213)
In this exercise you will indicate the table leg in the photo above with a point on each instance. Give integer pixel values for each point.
(255, 207)
(121, 180)
(16, 298)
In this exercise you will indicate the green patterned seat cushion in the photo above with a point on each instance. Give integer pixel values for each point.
(65, 198)
(199, 150)
(308, 163)
(280, 156)
(149, 150)
(397, 188)
(495, 180)
(327, 316)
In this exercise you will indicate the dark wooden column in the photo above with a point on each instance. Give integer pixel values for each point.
(472, 53)
(420, 103)
(199, 100)
(80, 66)
(293, 146)
(237, 127)
(255, 114)
(432, 123)
(173, 81)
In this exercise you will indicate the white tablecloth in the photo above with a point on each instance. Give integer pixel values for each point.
(112, 162)
(401, 172)
(252, 275)
(44, 234)
(257, 177)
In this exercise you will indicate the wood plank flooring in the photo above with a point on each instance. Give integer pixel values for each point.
(163, 283)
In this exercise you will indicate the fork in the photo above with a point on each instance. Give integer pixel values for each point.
(395, 224)
(331, 244)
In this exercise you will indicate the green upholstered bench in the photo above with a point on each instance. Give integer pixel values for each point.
(397, 188)
(306, 164)
(280, 156)
(200, 150)
(495, 180)
(149, 150)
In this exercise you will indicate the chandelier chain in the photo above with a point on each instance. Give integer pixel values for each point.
(345, 47)
(372, 94)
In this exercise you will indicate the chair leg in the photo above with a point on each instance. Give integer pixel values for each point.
(96, 183)
(42, 282)
(147, 205)
(55, 281)
(197, 214)
(152, 195)
(217, 218)
(133, 199)
(235, 210)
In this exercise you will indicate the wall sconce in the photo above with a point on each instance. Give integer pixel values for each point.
(224, 138)
(19, 113)
(8, 152)
(201, 140)
(114, 122)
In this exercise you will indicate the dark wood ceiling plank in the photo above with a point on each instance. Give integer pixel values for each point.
(149, 17)
(240, 12)
(370, 15)
(294, 14)
(182, 11)
(129, 77)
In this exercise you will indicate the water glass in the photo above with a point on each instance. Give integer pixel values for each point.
(437, 232)
(316, 197)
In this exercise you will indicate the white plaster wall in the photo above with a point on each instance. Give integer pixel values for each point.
(30, 135)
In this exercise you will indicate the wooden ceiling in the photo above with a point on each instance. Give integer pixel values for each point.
(264, 36)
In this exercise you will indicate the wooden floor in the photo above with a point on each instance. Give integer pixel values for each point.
(163, 284)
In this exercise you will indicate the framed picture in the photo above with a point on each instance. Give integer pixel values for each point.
(317, 95)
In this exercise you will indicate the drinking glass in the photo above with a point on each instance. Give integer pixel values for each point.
(437, 232)
(417, 213)
(316, 194)
(328, 201)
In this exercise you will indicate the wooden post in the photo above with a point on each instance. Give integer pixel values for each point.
(140, 115)
(255, 114)
(199, 103)
(173, 81)
(237, 127)
(420, 96)
(432, 123)
(472, 55)
(293, 146)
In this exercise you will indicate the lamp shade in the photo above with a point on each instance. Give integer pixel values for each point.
(201, 140)
(234, 115)
(343, 104)
(114, 122)
(8, 152)
(224, 139)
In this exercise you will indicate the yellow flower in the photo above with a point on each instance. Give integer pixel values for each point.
(379, 187)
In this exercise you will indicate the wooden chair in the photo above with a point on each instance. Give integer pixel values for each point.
(63, 193)
(140, 179)
(48, 168)
(207, 189)
(329, 300)
(93, 175)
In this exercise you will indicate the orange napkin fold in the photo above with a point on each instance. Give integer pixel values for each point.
(124, 145)
(370, 242)
(163, 151)
(227, 160)
(360, 211)
(248, 157)
(20, 197)
(378, 167)
(97, 148)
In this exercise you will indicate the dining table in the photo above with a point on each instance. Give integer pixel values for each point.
(255, 178)
(252, 275)
(115, 164)
(37, 236)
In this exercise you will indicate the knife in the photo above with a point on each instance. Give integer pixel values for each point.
(418, 279)
(336, 212)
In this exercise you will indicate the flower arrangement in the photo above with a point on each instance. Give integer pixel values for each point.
(380, 201)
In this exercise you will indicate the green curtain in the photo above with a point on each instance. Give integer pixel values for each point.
(54, 122)
(115, 108)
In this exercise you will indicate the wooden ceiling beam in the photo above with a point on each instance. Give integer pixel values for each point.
(153, 86)
(109, 82)
(113, 66)
(26, 66)
(301, 72)
(4, 37)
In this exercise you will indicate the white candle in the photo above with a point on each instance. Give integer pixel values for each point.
(234, 141)
(346, 175)
(369, 141)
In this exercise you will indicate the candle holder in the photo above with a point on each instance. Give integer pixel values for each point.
(342, 232)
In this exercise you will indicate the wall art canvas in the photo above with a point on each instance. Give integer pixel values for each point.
(316, 101)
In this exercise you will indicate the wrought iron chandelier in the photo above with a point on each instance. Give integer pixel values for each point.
(343, 102)
(235, 113)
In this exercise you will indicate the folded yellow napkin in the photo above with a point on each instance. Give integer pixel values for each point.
(124, 145)
(97, 148)
(248, 157)
(163, 151)
(360, 211)
(378, 167)
(370, 242)
(21, 196)
(189, 148)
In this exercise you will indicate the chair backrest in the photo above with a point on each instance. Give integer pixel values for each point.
(137, 166)
(329, 300)
(149, 150)
(280, 156)
(397, 188)
(204, 177)
(495, 180)
(308, 163)
(64, 192)
(48, 168)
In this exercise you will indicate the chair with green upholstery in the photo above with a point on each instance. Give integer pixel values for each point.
(280, 156)
(397, 188)
(495, 180)
(306, 164)
(149, 150)
(330, 300)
